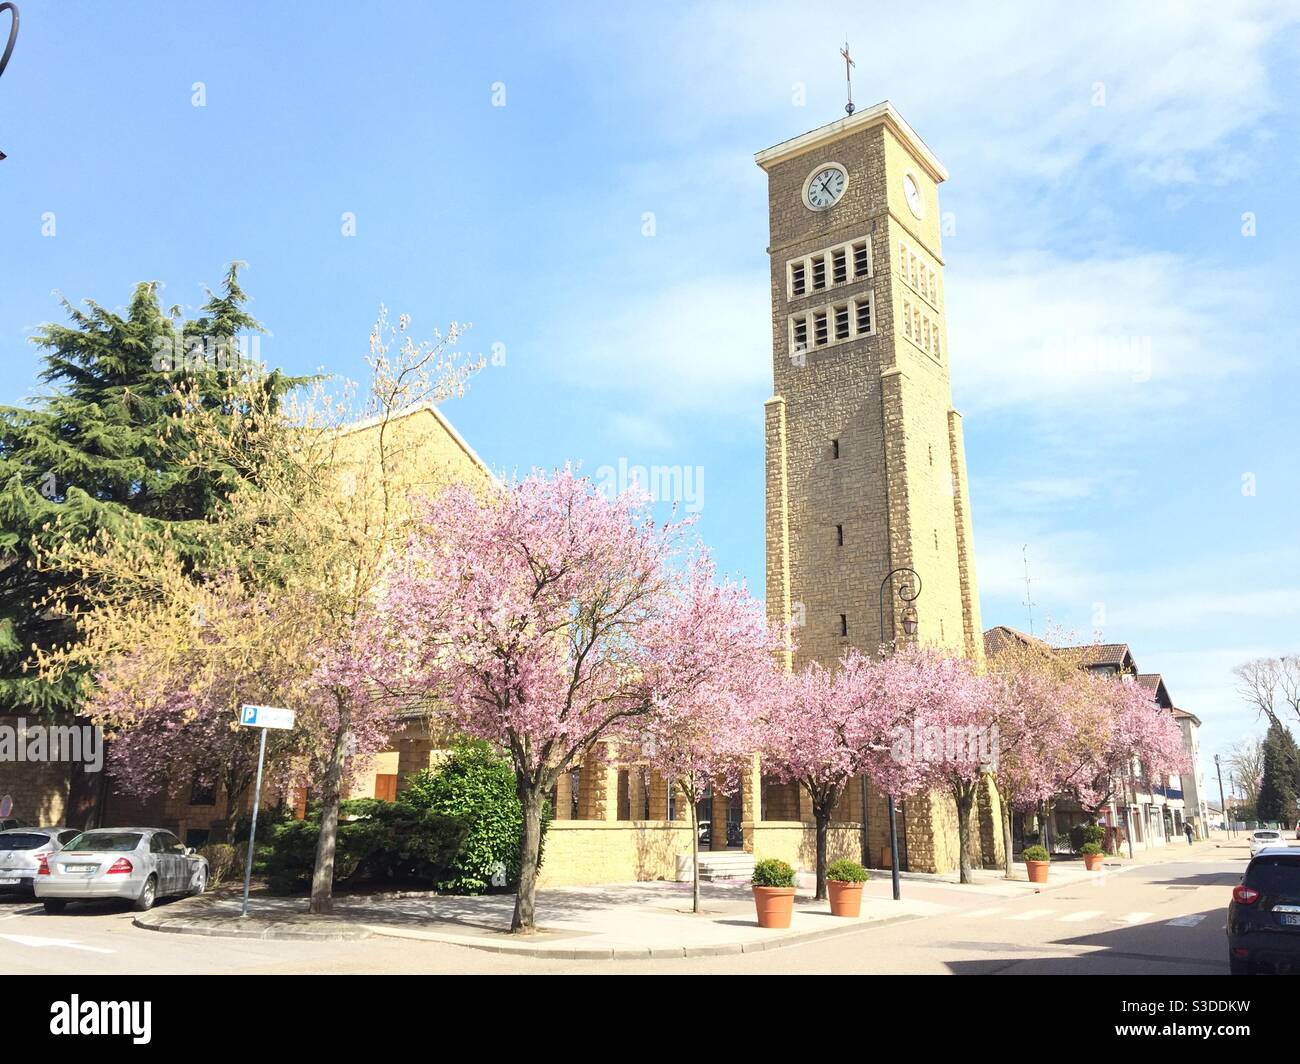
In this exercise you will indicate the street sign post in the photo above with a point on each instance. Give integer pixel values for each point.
(263, 717)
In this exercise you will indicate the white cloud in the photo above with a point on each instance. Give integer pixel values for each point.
(1096, 336)
(684, 348)
(1175, 81)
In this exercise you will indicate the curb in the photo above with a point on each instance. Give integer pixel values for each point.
(289, 932)
(724, 949)
(257, 929)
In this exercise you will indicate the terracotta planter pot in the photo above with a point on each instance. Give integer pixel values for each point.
(1037, 870)
(775, 905)
(1092, 861)
(846, 898)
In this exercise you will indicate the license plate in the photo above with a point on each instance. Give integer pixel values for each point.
(8, 881)
(1288, 919)
(83, 869)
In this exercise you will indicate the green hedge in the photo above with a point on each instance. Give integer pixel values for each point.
(377, 840)
(478, 786)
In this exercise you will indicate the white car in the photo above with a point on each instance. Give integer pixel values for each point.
(138, 865)
(1264, 838)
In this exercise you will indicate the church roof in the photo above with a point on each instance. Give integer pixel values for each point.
(883, 113)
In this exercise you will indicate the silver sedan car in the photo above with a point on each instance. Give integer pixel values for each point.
(139, 865)
(21, 853)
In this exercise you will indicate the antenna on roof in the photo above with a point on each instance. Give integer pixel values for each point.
(848, 76)
(1029, 601)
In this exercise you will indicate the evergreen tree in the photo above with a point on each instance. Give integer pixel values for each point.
(100, 451)
(1279, 791)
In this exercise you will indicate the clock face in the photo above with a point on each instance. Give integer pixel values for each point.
(825, 187)
(913, 195)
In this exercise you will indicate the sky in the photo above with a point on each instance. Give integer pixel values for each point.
(577, 181)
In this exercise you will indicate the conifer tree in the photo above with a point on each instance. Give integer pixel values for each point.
(99, 451)
(1279, 790)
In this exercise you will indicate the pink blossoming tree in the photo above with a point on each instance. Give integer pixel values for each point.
(545, 618)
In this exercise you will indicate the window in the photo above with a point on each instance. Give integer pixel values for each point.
(907, 319)
(202, 793)
(799, 333)
(839, 535)
(835, 448)
(386, 786)
(197, 838)
(862, 309)
(820, 335)
(844, 624)
(861, 260)
(829, 267)
(842, 322)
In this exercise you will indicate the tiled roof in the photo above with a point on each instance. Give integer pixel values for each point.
(1182, 714)
(999, 638)
(1101, 653)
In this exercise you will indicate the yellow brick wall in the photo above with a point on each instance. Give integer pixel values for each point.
(580, 852)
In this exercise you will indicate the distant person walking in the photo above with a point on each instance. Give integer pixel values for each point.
(1188, 831)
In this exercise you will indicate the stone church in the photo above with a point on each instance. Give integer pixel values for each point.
(868, 520)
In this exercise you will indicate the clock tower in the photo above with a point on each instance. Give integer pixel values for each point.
(866, 468)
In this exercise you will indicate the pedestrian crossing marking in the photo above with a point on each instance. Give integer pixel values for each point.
(1187, 921)
(1033, 914)
(1081, 915)
(977, 913)
(1135, 918)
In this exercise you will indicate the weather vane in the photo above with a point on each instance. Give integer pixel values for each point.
(849, 64)
(13, 36)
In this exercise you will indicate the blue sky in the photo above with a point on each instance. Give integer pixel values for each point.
(1102, 160)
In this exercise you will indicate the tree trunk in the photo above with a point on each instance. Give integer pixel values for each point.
(695, 853)
(530, 847)
(322, 878)
(823, 819)
(965, 796)
(1008, 843)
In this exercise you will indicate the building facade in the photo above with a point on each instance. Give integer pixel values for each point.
(865, 461)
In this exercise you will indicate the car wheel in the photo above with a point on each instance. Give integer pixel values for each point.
(1240, 966)
(148, 895)
(54, 905)
(200, 883)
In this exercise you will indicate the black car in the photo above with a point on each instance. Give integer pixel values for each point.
(1264, 915)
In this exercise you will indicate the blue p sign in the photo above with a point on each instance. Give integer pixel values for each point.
(250, 714)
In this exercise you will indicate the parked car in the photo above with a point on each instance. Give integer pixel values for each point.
(1264, 838)
(21, 850)
(1264, 914)
(9, 822)
(139, 865)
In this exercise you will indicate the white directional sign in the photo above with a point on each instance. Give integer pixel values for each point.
(265, 717)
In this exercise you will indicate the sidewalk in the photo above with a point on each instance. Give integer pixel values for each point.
(618, 921)
(622, 920)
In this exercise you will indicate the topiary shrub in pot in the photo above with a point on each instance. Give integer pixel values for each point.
(844, 879)
(773, 886)
(1093, 855)
(1037, 861)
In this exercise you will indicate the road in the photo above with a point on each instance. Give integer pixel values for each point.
(1161, 919)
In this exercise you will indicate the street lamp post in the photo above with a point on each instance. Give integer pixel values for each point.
(1218, 768)
(907, 593)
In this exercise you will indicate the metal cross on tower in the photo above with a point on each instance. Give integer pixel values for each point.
(849, 64)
